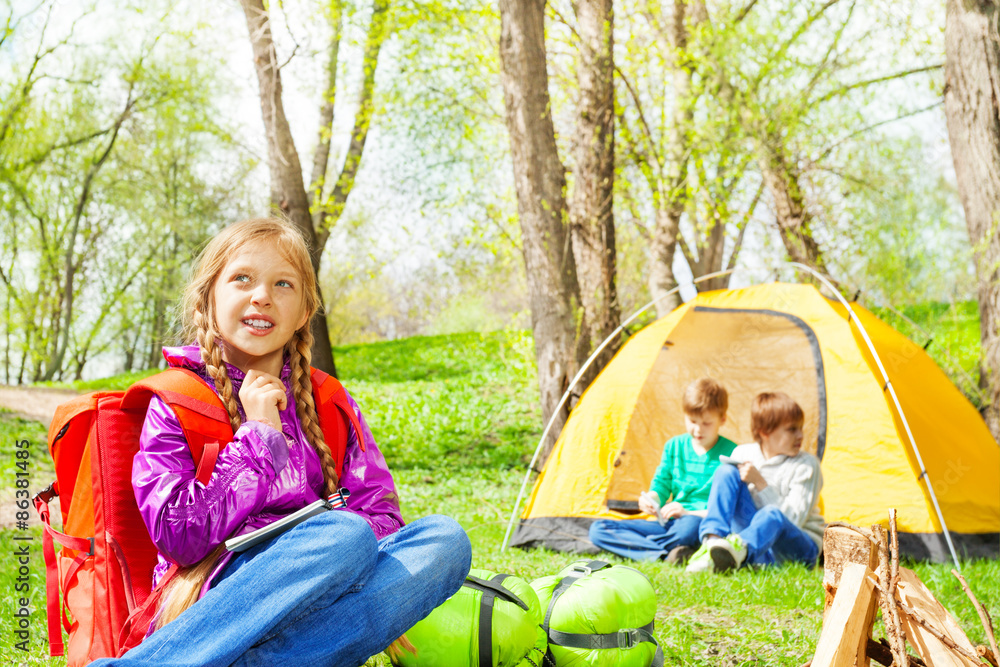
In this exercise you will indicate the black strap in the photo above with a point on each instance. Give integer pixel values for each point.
(579, 571)
(493, 586)
(491, 589)
(657, 657)
(622, 639)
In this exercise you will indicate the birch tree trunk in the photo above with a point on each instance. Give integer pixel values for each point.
(540, 181)
(971, 103)
(288, 191)
(590, 208)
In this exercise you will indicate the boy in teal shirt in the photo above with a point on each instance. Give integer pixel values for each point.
(678, 495)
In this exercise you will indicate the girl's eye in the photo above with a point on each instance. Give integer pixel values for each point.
(241, 278)
(283, 283)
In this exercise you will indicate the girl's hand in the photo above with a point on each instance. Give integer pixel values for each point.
(648, 502)
(672, 510)
(263, 395)
(750, 475)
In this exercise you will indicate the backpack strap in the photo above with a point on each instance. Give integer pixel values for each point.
(205, 421)
(134, 629)
(491, 590)
(625, 638)
(199, 410)
(336, 415)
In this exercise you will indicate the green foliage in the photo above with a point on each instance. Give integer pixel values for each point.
(900, 235)
(466, 400)
(115, 164)
(951, 333)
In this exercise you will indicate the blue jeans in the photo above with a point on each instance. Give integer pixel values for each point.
(324, 593)
(644, 540)
(769, 535)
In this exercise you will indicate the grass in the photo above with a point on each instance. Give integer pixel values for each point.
(448, 401)
(951, 334)
(770, 617)
(457, 418)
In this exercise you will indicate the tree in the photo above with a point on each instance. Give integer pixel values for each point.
(102, 171)
(540, 182)
(313, 212)
(662, 153)
(591, 210)
(686, 146)
(972, 87)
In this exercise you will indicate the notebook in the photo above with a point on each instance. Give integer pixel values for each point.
(244, 542)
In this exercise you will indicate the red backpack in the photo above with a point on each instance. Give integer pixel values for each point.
(104, 570)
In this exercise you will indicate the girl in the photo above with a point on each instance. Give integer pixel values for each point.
(334, 589)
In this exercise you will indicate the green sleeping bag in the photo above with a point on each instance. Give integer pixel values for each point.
(599, 615)
(494, 620)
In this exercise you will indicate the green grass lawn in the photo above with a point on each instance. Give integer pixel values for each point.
(457, 418)
(770, 617)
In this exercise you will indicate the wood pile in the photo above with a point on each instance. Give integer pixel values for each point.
(861, 565)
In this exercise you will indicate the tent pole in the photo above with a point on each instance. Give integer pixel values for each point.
(566, 395)
(892, 392)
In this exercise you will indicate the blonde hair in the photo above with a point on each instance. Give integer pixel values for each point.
(772, 410)
(198, 310)
(705, 395)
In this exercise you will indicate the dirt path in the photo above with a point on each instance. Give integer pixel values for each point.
(34, 402)
(38, 404)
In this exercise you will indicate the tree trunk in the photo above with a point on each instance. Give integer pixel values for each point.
(661, 260)
(671, 201)
(590, 208)
(288, 191)
(706, 256)
(971, 102)
(540, 181)
(790, 212)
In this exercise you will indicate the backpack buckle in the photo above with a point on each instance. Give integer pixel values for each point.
(583, 569)
(46, 495)
(628, 638)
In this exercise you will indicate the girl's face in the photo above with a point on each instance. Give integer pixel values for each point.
(259, 305)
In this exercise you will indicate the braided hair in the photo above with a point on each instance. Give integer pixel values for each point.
(300, 353)
(198, 310)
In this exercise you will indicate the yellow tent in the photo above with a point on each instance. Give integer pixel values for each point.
(781, 337)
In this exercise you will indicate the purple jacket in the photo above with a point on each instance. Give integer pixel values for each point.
(260, 477)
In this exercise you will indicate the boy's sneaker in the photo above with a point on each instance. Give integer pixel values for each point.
(727, 553)
(700, 561)
(679, 555)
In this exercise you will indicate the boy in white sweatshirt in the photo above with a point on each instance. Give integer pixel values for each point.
(762, 507)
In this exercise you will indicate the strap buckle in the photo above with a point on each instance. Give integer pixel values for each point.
(628, 638)
(46, 495)
(582, 569)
